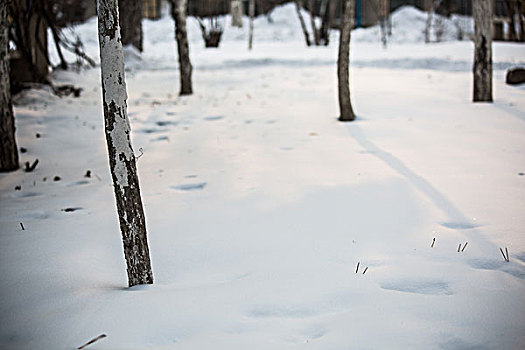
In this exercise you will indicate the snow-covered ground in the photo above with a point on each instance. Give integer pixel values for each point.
(260, 205)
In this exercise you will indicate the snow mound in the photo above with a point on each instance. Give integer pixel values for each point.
(408, 26)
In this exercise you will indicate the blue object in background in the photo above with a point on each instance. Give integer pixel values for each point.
(358, 22)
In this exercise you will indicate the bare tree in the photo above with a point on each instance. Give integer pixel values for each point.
(130, 14)
(213, 34)
(315, 30)
(482, 12)
(178, 12)
(251, 10)
(343, 62)
(236, 12)
(298, 7)
(432, 6)
(8, 149)
(321, 34)
(29, 33)
(121, 156)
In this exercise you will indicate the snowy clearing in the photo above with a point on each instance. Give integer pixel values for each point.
(260, 205)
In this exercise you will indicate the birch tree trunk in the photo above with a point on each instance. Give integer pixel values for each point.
(236, 12)
(298, 8)
(178, 12)
(8, 149)
(343, 62)
(482, 13)
(251, 10)
(130, 14)
(121, 156)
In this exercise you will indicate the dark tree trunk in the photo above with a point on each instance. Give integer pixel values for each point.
(251, 11)
(298, 8)
(482, 13)
(343, 62)
(30, 36)
(315, 31)
(121, 156)
(178, 12)
(8, 150)
(130, 13)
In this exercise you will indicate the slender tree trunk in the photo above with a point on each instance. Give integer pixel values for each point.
(178, 12)
(251, 10)
(482, 12)
(428, 24)
(8, 149)
(343, 62)
(298, 7)
(521, 12)
(236, 13)
(130, 14)
(121, 156)
(512, 29)
(315, 32)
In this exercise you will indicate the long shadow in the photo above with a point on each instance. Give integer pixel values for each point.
(509, 109)
(455, 218)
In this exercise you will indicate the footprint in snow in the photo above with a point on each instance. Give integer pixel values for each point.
(166, 122)
(418, 286)
(151, 131)
(37, 215)
(24, 194)
(78, 183)
(190, 187)
(160, 138)
(213, 118)
(512, 268)
(459, 225)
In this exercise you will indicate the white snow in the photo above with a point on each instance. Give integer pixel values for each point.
(260, 205)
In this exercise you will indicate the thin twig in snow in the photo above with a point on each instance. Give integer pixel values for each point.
(92, 341)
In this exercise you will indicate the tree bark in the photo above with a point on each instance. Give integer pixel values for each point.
(178, 12)
(315, 31)
(121, 156)
(30, 36)
(251, 10)
(130, 14)
(8, 150)
(236, 13)
(343, 62)
(482, 13)
(298, 7)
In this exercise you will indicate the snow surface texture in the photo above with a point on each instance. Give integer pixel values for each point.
(260, 204)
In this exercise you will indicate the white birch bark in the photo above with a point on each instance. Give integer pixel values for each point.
(121, 157)
(236, 13)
